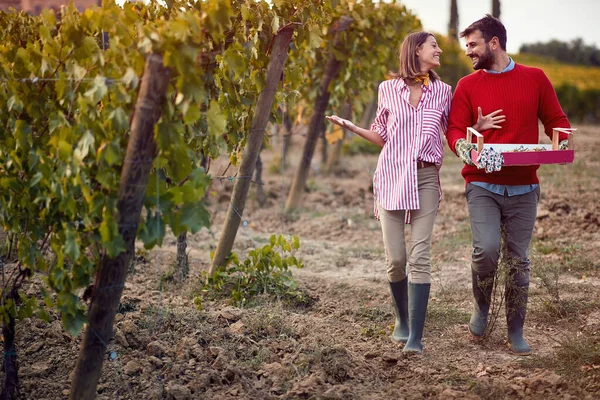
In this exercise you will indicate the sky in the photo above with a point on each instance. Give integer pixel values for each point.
(526, 21)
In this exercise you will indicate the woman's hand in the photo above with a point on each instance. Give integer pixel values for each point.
(344, 123)
(490, 121)
(371, 136)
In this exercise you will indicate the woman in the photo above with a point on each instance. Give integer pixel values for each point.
(412, 115)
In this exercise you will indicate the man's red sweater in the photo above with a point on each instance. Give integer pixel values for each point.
(524, 94)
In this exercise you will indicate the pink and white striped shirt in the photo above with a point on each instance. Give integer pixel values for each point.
(411, 134)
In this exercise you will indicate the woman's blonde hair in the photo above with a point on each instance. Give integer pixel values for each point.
(410, 67)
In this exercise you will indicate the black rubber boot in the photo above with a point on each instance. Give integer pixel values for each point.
(482, 294)
(418, 297)
(517, 293)
(400, 296)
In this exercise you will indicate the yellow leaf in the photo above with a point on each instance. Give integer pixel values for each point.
(336, 134)
(300, 115)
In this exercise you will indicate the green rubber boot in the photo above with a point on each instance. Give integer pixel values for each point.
(418, 297)
(517, 293)
(482, 294)
(400, 296)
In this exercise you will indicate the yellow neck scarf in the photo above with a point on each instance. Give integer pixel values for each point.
(424, 79)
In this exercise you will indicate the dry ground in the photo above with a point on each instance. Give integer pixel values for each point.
(339, 348)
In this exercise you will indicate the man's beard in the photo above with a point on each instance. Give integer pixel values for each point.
(486, 60)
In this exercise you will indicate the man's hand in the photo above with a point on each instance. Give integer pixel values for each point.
(563, 145)
(344, 123)
(490, 121)
(490, 159)
(463, 150)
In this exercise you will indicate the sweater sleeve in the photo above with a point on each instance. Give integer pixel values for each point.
(460, 117)
(550, 112)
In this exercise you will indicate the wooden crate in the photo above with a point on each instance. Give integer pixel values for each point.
(527, 154)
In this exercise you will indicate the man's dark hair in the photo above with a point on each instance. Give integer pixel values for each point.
(489, 27)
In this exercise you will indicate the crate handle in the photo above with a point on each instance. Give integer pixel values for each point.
(568, 131)
(470, 133)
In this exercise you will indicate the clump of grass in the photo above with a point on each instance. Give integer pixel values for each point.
(575, 260)
(572, 257)
(256, 357)
(569, 309)
(554, 305)
(373, 330)
(498, 298)
(455, 377)
(275, 166)
(548, 275)
(441, 315)
(487, 390)
(311, 186)
(577, 352)
(365, 252)
(341, 261)
(374, 314)
(333, 360)
(336, 363)
(268, 324)
(574, 354)
(265, 271)
(448, 248)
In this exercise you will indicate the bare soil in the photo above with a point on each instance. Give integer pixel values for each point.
(339, 347)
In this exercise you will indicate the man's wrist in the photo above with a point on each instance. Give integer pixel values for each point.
(458, 143)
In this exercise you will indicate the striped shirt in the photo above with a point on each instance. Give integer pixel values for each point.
(410, 134)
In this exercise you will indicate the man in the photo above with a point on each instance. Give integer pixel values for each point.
(503, 203)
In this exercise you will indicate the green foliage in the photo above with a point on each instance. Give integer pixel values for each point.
(579, 105)
(264, 272)
(572, 257)
(574, 52)
(368, 53)
(69, 102)
(65, 128)
(240, 69)
(68, 105)
(359, 145)
(579, 98)
(560, 73)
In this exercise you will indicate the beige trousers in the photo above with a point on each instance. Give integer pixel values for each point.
(422, 220)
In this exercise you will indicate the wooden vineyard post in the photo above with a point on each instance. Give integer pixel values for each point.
(332, 69)
(253, 144)
(110, 278)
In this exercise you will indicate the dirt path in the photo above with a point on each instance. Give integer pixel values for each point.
(339, 347)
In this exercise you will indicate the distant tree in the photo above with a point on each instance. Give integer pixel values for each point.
(574, 52)
(453, 24)
(496, 9)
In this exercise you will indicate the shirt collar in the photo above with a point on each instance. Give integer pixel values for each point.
(509, 67)
(401, 85)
